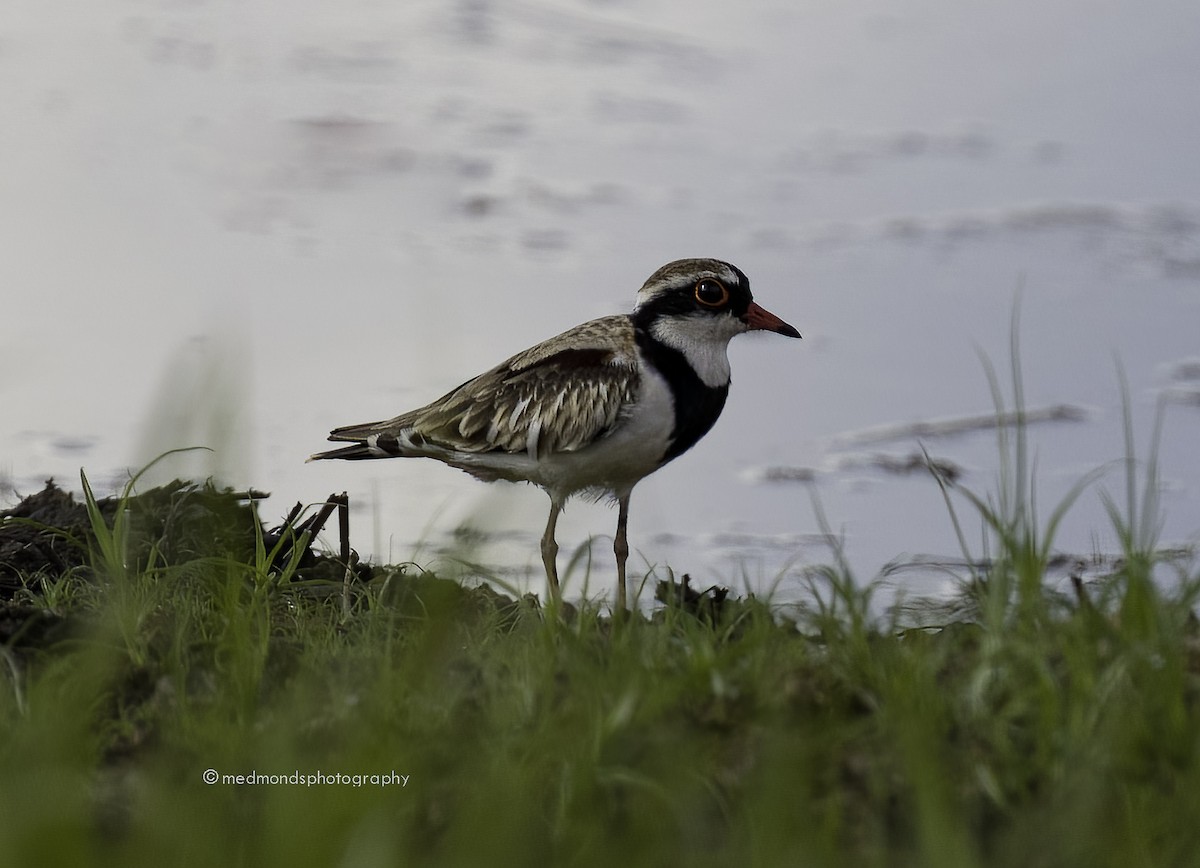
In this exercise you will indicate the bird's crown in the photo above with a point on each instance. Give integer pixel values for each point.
(690, 285)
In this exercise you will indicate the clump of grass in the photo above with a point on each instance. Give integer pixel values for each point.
(1008, 591)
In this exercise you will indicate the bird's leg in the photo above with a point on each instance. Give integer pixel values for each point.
(621, 550)
(550, 551)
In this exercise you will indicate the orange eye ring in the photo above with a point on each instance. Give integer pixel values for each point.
(710, 292)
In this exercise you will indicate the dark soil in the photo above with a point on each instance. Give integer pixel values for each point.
(48, 537)
(49, 534)
(44, 534)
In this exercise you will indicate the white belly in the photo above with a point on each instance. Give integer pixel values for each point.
(613, 464)
(632, 450)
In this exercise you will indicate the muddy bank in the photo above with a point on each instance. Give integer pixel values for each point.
(50, 534)
(50, 538)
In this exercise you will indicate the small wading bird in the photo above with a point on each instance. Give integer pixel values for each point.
(597, 408)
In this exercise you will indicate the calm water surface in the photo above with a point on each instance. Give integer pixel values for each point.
(240, 227)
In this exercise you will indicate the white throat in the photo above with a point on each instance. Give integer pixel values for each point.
(704, 342)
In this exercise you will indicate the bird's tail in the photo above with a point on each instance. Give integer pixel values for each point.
(353, 452)
(389, 439)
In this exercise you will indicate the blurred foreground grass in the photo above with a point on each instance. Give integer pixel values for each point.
(1037, 732)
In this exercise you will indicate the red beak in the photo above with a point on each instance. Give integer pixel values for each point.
(760, 318)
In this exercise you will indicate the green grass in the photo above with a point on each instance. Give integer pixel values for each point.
(1036, 732)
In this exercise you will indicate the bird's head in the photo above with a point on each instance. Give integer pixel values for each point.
(696, 306)
(704, 296)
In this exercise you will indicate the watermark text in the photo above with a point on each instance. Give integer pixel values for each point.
(298, 778)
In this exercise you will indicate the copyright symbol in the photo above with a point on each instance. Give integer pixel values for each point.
(210, 776)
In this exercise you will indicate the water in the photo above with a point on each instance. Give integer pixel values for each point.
(240, 227)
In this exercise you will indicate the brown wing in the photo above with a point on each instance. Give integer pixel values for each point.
(558, 396)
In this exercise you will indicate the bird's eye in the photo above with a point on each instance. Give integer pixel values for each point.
(711, 293)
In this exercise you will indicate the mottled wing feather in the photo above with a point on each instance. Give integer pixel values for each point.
(558, 396)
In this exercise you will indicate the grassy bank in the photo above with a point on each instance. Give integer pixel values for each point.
(1038, 732)
(181, 687)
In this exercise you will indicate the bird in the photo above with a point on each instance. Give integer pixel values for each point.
(594, 410)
